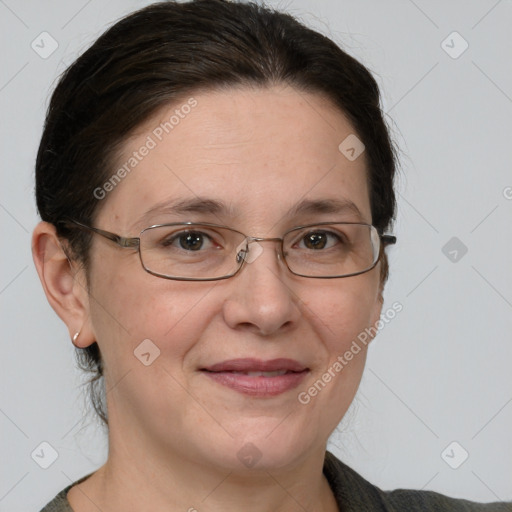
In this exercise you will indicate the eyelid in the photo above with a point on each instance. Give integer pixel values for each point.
(168, 238)
(197, 225)
(298, 235)
(323, 226)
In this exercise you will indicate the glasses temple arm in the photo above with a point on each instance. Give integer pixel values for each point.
(119, 240)
(388, 239)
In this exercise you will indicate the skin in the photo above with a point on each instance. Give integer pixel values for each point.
(174, 434)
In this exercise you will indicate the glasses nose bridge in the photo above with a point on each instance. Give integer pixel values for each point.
(264, 239)
(250, 239)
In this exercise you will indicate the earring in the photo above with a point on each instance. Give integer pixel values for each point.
(75, 336)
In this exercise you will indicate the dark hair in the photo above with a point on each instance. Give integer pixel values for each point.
(159, 55)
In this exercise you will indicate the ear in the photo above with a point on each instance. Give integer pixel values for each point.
(63, 282)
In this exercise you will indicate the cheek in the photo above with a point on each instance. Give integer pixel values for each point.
(132, 306)
(340, 312)
(343, 310)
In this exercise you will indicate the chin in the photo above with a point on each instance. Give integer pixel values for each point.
(264, 445)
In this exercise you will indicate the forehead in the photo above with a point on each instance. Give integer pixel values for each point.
(255, 153)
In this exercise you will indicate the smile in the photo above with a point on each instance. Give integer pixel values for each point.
(258, 378)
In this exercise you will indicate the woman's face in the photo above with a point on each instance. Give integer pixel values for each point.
(258, 152)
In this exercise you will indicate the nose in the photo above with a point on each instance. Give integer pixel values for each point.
(262, 296)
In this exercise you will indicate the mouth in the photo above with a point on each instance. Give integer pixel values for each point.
(256, 377)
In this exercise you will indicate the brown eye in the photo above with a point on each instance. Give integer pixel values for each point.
(317, 240)
(187, 240)
(191, 241)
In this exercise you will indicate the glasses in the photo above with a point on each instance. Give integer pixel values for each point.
(189, 251)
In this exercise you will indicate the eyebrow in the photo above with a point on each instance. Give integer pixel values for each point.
(192, 205)
(335, 206)
(218, 208)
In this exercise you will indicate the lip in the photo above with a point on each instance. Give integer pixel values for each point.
(256, 365)
(226, 373)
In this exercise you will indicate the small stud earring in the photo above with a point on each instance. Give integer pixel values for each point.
(75, 336)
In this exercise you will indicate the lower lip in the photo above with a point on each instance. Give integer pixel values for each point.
(260, 385)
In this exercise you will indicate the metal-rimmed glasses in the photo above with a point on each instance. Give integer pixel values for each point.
(191, 251)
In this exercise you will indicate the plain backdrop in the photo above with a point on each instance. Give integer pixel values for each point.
(434, 410)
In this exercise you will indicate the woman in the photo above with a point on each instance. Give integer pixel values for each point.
(215, 183)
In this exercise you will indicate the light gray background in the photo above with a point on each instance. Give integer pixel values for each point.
(438, 373)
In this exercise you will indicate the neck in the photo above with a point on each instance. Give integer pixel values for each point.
(137, 477)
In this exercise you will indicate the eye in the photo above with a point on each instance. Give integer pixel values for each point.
(188, 240)
(317, 240)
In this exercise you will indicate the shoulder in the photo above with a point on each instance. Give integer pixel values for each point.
(60, 503)
(353, 493)
(406, 499)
